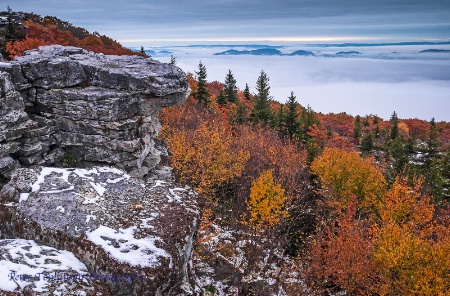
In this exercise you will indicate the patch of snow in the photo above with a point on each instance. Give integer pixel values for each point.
(173, 196)
(88, 200)
(60, 190)
(60, 209)
(125, 248)
(33, 260)
(83, 173)
(23, 197)
(159, 183)
(98, 187)
(36, 186)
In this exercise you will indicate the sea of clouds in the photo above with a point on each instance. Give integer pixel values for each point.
(377, 80)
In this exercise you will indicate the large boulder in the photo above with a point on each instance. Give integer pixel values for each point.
(113, 223)
(66, 106)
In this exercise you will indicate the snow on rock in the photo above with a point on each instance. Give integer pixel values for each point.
(113, 223)
(139, 252)
(30, 268)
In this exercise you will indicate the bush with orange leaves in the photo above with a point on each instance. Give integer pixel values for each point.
(341, 255)
(47, 33)
(203, 149)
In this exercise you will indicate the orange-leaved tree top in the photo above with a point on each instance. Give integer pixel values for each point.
(344, 174)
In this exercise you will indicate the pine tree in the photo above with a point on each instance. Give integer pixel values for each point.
(357, 129)
(261, 111)
(221, 99)
(367, 143)
(394, 126)
(202, 94)
(247, 92)
(291, 121)
(377, 127)
(280, 120)
(366, 122)
(230, 87)
(432, 164)
(173, 61)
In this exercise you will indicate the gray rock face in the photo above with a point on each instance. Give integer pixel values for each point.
(65, 106)
(114, 224)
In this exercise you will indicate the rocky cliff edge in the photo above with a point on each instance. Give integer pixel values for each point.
(77, 139)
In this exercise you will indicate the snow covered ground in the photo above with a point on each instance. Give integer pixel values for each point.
(377, 80)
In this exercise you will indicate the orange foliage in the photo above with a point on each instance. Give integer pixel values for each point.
(345, 174)
(341, 123)
(342, 253)
(47, 33)
(411, 250)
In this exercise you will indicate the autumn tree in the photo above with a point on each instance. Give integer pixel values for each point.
(261, 110)
(345, 174)
(266, 203)
(202, 94)
(411, 250)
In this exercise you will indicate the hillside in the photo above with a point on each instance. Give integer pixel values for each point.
(24, 31)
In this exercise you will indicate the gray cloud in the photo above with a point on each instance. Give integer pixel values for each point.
(227, 18)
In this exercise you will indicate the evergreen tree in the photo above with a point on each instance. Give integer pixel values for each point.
(377, 127)
(221, 99)
(279, 121)
(432, 163)
(357, 129)
(202, 94)
(247, 92)
(261, 110)
(307, 119)
(367, 143)
(230, 87)
(394, 126)
(173, 61)
(396, 151)
(291, 121)
(366, 122)
(142, 50)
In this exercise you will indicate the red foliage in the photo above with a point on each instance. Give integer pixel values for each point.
(46, 32)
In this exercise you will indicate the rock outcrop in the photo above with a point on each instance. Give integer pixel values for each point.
(98, 228)
(63, 105)
(116, 225)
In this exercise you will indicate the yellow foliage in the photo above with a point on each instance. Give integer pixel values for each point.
(266, 203)
(345, 174)
(411, 251)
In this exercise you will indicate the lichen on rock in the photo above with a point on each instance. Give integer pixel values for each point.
(66, 106)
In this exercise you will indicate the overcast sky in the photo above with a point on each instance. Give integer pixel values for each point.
(146, 21)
